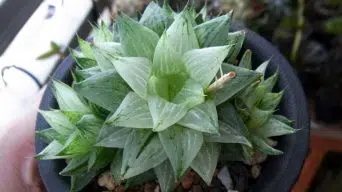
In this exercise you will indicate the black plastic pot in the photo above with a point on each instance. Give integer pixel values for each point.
(278, 174)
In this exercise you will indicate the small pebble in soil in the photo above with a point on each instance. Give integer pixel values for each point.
(255, 171)
(225, 178)
(188, 180)
(106, 180)
(271, 142)
(157, 189)
(257, 158)
(150, 187)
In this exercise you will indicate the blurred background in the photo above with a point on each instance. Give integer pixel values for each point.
(35, 36)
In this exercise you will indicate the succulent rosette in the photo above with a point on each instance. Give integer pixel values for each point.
(154, 98)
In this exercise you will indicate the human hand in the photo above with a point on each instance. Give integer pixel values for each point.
(18, 168)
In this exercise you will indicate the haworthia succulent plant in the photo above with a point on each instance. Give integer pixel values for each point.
(154, 98)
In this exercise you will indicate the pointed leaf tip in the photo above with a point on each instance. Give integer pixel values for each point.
(136, 39)
(246, 60)
(181, 146)
(213, 32)
(67, 98)
(203, 64)
(164, 113)
(206, 161)
(133, 112)
(136, 71)
(156, 18)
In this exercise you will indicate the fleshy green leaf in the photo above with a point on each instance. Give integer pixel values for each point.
(100, 157)
(103, 33)
(270, 101)
(206, 161)
(190, 13)
(243, 78)
(246, 60)
(51, 151)
(90, 123)
(113, 137)
(181, 35)
(283, 119)
(203, 64)
(136, 71)
(98, 111)
(116, 34)
(181, 146)
(270, 82)
(258, 117)
(58, 121)
(67, 98)
(133, 113)
(133, 146)
(78, 143)
(86, 48)
(151, 156)
(228, 114)
(111, 48)
(167, 60)
(115, 166)
(81, 141)
(159, 86)
(262, 68)
(136, 39)
(202, 118)
(228, 134)
(102, 58)
(167, 8)
(156, 18)
(191, 94)
(78, 182)
(176, 83)
(106, 89)
(213, 32)
(86, 73)
(165, 176)
(274, 127)
(261, 145)
(252, 98)
(164, 113)
(235, 38)
(73, 116)
(48, 135)
(82, 61)
(77, 165)
(103, 52)
(242, 109)
(203, 13)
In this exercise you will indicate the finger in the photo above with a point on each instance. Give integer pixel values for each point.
(18, 168)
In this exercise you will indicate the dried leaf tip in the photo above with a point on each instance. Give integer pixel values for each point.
(219, 83)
